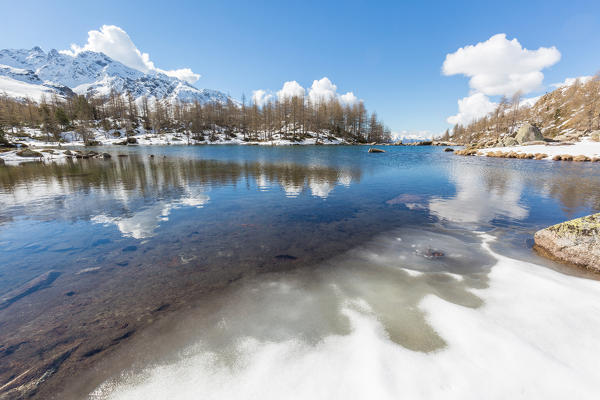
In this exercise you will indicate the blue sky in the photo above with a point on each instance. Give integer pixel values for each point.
(390, 54)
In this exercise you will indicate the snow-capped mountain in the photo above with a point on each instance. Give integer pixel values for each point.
(34, 73)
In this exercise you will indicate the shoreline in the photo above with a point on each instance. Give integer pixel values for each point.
(585, 150)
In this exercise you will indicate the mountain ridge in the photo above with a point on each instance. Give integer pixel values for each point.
(30, 73)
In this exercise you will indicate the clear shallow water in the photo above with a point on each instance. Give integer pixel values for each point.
(358, 253)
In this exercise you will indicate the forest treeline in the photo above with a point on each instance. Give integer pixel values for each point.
(292, 118)
(568, 108)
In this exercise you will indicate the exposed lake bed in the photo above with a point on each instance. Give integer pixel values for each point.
(238, 257)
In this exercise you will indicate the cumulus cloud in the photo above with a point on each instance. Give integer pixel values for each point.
(261, 97)
(571, 81)
(116, 43)
(500, 66)
(290, 89)
(321, 90)
(471, 108)
(348, 99)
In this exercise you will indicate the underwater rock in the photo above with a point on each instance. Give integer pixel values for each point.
(30, 287)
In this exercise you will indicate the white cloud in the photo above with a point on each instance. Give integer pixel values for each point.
(500, 66)
(571, 81)
(116, 43)
(348, 99)
(471, 108)
(322, 90)
(291, 89)
(261, 97)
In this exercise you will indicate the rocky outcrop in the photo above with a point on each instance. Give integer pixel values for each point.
(28, 153)
(509, 141)
(575, 242)
(528, 133)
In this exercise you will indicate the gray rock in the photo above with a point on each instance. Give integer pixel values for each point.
(509, 141)
(575, 242)
(28, 153)
(40, 282)
(106, 155)
(534, 143)
(528, 133)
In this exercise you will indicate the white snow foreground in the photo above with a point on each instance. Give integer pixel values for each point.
(534, 338)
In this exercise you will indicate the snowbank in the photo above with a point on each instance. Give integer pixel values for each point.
(586, 148)
(35, 138)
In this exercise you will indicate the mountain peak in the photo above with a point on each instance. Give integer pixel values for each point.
(92, 73)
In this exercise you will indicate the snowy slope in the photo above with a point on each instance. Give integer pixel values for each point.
(90, 73)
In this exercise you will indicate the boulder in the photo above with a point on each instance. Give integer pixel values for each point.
(449, 149)
(509, 141)
(534, 143)
(28, 153)
(581, 158)
(575, 242)
(375, 150)
(68, 153)
(528, 133)
(106, 155)
(595, 136)
(131, 140)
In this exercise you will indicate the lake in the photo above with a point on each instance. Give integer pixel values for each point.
(293, 272)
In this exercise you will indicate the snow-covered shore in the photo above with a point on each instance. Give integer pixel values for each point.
(35, 138)
(585, 147)
(54, 151)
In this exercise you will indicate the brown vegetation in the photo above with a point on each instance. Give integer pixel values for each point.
(566, 110)
(293, 118)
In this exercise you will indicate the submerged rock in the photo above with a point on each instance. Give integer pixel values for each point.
(574, 242)
(375, 150)
(449, 149)
(32, 286)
